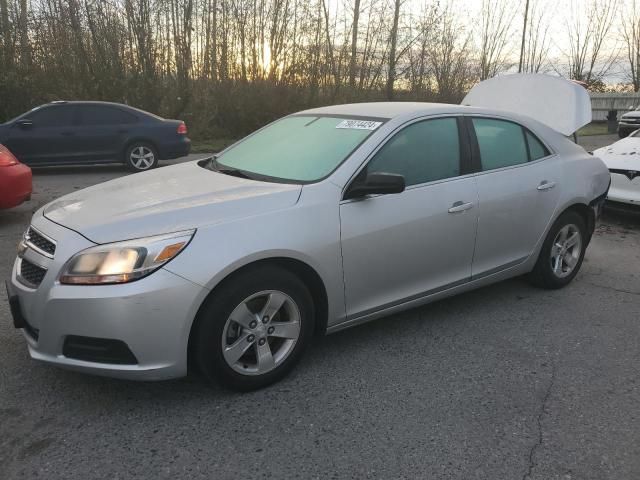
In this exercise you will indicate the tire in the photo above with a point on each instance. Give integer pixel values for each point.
(264, 355)
(624, 133)
(140, 157)
(560, 258)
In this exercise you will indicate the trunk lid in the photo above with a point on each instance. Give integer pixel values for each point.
(563, 105)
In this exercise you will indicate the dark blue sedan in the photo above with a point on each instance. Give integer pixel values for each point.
(79, 133)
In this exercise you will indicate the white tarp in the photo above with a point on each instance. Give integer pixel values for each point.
(558, 103)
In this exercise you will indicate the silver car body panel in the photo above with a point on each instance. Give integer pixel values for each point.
(374, 256)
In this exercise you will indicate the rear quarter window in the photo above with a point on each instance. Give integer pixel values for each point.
(104, 115)
(536, 149)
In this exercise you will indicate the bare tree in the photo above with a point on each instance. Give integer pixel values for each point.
(449, 56)
(537, 40)
(393, 44)
(630, 29)
(495, 34)
(354, 44)
(587, 33)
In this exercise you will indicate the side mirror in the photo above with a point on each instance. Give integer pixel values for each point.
(378, 183)
(24, 123)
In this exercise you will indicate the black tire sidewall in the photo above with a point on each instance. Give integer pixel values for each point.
(133, 146)
(213, 315)
(543, 273)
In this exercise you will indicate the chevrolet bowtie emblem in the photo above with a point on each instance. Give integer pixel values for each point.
(631, 174)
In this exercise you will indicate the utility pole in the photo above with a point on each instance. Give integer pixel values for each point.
(524, 34)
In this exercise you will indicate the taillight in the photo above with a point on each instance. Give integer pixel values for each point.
(6, 157)
(182, 129)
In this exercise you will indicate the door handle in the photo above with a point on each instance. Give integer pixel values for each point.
(460, 207)
(544, 185)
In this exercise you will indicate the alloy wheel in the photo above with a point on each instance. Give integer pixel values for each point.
(566, 250)
(142, 158)
(261, 332)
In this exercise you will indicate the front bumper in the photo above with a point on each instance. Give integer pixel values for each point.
(151, 316)
(624, 190)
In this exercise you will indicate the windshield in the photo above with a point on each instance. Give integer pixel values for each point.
(301, 148)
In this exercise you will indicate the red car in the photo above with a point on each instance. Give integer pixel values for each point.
(15, 180)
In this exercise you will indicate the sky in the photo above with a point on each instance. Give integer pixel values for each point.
(558, 13)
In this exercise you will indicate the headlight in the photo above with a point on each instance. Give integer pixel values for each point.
(123, 262)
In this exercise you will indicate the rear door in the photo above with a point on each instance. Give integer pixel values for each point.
(518, 190)
(44, 135)
(102, 132)
(400, 247)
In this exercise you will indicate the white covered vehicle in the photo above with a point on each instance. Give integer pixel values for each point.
(623, 161)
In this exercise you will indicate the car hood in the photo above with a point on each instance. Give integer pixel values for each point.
(164, 200)
(622, 155)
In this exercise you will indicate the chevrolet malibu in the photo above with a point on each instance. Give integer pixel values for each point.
(322, 220)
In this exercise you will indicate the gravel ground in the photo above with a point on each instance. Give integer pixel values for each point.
(506, 382)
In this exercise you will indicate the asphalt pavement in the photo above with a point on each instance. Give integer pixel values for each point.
(506, 382)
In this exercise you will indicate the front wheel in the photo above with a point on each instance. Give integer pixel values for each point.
(140, 157)
(562, 252)
(253, 329)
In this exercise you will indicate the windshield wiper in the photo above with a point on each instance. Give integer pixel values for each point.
(234, 172)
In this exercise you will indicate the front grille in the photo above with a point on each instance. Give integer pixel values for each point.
(40, 242)
(630, 174)
(31, 273)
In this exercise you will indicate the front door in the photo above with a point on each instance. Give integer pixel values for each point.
(403, 246)
(45, 135)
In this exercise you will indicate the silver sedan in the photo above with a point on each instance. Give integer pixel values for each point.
(321, 220)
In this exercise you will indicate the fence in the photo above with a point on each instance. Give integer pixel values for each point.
(602, 103)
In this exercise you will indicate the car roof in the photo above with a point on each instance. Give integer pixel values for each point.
(388, 110)
(87, 102)
(97, 102)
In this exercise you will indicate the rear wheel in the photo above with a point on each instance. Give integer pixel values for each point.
(140, 157)
(254, 329)
(562, 253)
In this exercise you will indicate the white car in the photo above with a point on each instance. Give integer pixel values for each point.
(322, 220)
(622, 158)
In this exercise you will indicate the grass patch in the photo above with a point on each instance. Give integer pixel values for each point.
(593, 128)
(212, 145)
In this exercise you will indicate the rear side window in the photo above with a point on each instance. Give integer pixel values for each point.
(51, 116)
(536, 149)
(422, 152)
(104, 115)
(501, 143)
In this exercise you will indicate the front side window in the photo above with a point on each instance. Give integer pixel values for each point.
(300, 148)
(501, 143)
(423, 152)
(51, 116)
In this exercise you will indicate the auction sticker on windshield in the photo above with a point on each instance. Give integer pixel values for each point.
(359, 124)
